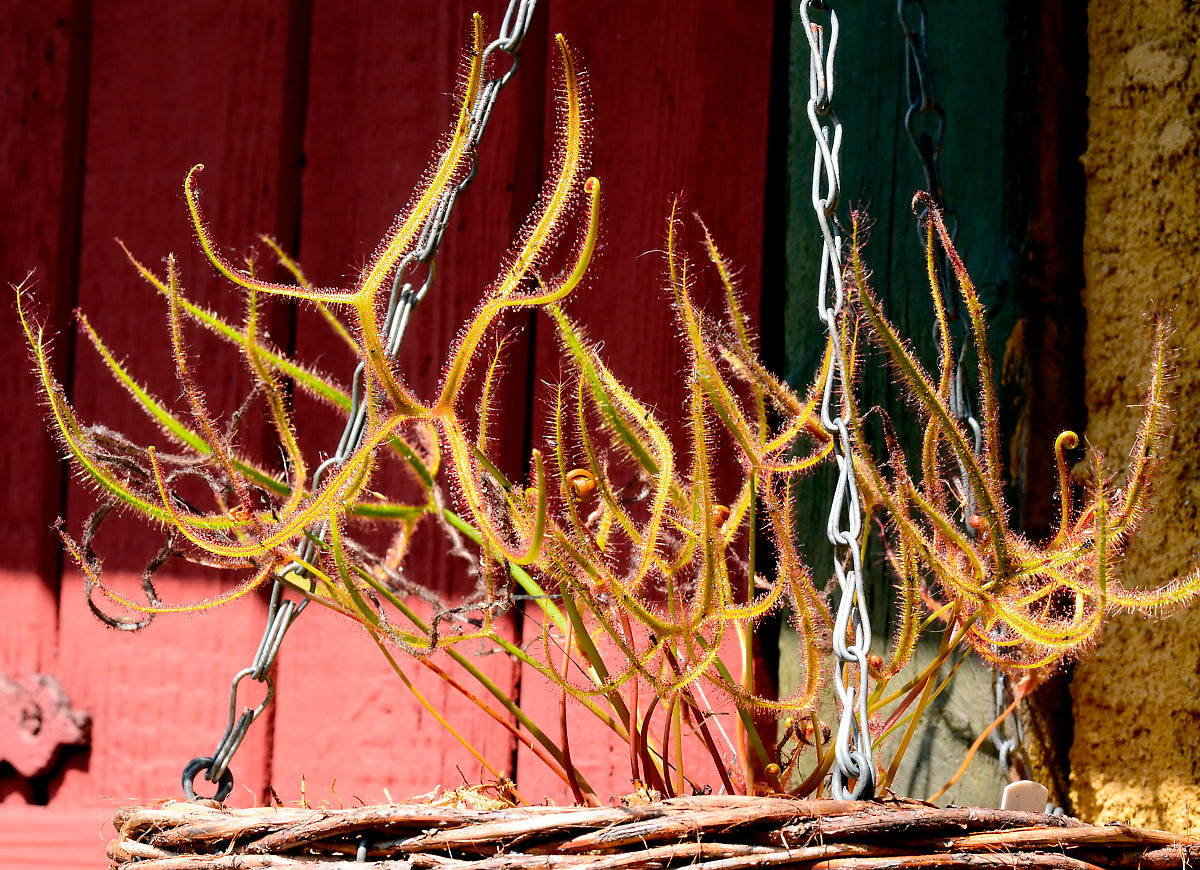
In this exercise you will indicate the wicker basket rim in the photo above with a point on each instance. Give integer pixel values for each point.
(705, 832)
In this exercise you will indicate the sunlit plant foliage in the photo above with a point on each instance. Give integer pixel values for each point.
(637, 554)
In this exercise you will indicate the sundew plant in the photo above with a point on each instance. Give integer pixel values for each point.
(637, 555)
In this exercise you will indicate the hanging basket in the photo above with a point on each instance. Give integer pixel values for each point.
(706, 833)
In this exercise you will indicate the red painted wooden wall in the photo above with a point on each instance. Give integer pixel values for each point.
(314, 119)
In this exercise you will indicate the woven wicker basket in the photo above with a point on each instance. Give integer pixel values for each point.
(706, 833)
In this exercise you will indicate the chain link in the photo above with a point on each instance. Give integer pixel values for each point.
(404, 298)
(854, 755)
(1006, 737)
(922, 97)
(922, 101)
(923, 104)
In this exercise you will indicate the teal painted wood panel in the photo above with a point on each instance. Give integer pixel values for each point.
(1011, 78)
(881, 172)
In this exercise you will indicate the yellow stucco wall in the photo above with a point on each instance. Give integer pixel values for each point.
(1136, 699)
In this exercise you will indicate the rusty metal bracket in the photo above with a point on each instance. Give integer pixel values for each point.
(37, 721)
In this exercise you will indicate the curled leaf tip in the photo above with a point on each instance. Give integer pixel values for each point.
(922, 199)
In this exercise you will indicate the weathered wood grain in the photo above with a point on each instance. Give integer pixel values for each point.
(233, 86)
(33, 837)
(381, 81)
(167, 91)
(43, 71)
(678, 102)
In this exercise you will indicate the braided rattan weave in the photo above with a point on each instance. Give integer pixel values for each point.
(705, 833)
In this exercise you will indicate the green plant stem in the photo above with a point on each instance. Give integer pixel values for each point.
(505, 701)
(825, 757)
(747, 720)
(568, 765)
(898, 716)
(598, 671)
(975, 747)
(441, 720)
(705, 735)
(948, 643)
(566, 775)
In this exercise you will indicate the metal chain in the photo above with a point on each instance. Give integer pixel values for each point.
(923, 105)
(922, 101)
(922, 97)
(1006, 740)
(854, 754)
(404, 298)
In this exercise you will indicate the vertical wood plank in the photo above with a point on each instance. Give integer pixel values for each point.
(168, 90)
(1045, 365)
(43, 70)
(880, 174)
(72, 839)
(215, 86)
(990, 65)
(379, 101)
(679, 103)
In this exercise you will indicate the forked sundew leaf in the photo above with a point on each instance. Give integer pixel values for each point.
(618, 567)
